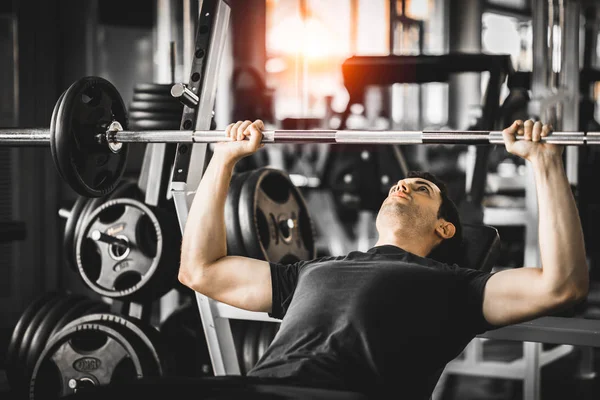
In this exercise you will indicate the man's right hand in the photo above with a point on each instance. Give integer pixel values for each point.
(237, 147)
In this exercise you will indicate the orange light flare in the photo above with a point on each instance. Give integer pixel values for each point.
(309, 38)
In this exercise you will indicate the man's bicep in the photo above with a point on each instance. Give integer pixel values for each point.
(515, 295)
(241, 282)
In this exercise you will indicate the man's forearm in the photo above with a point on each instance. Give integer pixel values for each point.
(204, 239)
(560, 235)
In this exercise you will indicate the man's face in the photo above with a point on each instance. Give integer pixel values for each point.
(412, 202)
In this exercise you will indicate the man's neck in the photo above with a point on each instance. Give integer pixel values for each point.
(420, 248)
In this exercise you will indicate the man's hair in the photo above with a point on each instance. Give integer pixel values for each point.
(449, 251)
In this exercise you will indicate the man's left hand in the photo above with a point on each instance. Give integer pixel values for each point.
(523, 139)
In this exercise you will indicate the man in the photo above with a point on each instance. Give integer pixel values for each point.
(386, 321)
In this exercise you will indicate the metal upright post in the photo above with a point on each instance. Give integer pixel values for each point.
(189, 165)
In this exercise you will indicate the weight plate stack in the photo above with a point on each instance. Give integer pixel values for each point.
(45, 316)
(153, 108)
(94, 350)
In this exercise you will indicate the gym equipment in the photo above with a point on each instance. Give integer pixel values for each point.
(273, 217)
(88, 136)
(267, 333)
(39, 322)
(81, 209)
(235, 243)
(153, 107)
(183, 335)
(126, 250)
(96, 349)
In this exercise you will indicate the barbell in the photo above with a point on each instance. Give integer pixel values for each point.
(88, 135)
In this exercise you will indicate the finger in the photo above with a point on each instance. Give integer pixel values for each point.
(528, 128)
(228, 130)
(234, 130)
(509, 134)
(546, 129)
(255, 136)
(520, 129)
(537, 131)
(259, 124)
(242, 128)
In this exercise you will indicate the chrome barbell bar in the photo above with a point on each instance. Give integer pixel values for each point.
(115, 135)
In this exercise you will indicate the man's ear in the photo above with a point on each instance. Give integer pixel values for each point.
(445, 229)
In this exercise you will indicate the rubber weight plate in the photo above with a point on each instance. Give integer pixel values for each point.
(27, 339)
(152, 88)
(144, 333)
(155, 97)
(166, 106)
(45, 328)
(233, 232)
(274, 218)
(86, 354)
(267, 333)
(12, 355)
(82, 209)
(87, 108)
(135, 116)
(156, 125)
(183, 335)
(144, 269)
(69, 232)
(250, 345)
(53, 128)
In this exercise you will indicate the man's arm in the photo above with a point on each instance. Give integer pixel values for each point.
(522, 294)
(205, 267)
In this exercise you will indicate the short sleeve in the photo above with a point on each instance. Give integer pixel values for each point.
(474, 288)
(284, 278)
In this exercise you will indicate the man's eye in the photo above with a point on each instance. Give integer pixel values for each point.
(423, 188)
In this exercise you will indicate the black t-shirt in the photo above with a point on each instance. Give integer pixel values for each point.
(384, 321)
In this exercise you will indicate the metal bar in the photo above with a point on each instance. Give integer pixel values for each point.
(40, 137)
(349, 137)
(24, 137)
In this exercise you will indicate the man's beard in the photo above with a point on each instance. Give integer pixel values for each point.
(402, 216)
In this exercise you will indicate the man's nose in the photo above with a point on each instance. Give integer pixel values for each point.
(403, 187)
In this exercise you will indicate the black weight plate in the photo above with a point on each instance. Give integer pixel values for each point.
(233, 233)
(153, 116)
(183, 334)
(69, 231)
(12, 368)
(154, 97)
(156, 106)
(81, 210)
(52, 129)
(45, 328)
(157, 88)
(143, 333)
(88, 107)
(267, 333)
(131, 275)
(103, 353)
(269, 202)
(250, 345)
(21, 365)
(82, 307)
(155, 125)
